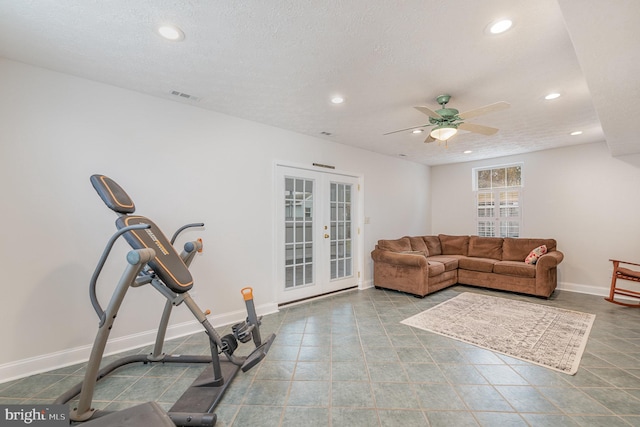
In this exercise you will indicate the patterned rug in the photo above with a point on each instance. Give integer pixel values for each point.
(547, 336)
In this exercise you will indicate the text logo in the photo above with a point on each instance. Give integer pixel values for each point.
(34, 415)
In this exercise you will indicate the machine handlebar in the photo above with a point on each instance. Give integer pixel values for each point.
(184, 227)
(101, 262)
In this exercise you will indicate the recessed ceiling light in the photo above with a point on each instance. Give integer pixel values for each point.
(467, 152)
(417, 131)
(578, 132)
(337, 99)
(553, 95)
(171, 32)
(500, 26)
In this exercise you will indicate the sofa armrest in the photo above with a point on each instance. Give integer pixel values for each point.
(397, 258)
(549, 260)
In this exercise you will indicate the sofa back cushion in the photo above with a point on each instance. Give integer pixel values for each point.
(517, 249)
(417, 244)
(455, 245)
(399, 245)
(485, 247)
(433, 245)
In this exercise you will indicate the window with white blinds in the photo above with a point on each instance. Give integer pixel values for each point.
(498, 194)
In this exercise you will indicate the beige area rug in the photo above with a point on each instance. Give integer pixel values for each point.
(547, 336)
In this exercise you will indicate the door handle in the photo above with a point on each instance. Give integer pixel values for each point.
(326, 236)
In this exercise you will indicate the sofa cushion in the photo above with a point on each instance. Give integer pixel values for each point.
(418, 244)
(517, 249)
(398, 245)
(486, 247)
(533, 256)
(454, 245)
(433, 245)
(449, 263)
(477, 264)
(435, 268)
(515, 268)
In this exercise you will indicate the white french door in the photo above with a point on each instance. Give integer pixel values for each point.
(317, 232)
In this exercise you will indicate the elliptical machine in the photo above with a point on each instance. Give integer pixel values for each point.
(154, 261)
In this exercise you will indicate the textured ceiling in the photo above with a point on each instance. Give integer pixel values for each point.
(279, 63)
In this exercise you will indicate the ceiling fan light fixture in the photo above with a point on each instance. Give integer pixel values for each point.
(443, 133)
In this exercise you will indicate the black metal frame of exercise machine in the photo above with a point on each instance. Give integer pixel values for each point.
(154, 261)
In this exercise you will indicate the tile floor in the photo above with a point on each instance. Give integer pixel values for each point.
(345, 360)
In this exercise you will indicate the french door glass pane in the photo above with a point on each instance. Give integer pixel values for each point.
(299, 272)
(298, 219)
(340, 226)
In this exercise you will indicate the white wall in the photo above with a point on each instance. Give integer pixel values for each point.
(579, 195)
(180, 164)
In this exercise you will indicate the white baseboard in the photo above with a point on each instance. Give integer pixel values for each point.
(60, 359)
(366, 284)
(592, 290)
(583, 289)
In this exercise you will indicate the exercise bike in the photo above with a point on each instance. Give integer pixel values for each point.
(154, 261)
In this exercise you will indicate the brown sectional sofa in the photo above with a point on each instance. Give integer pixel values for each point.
(425, 264)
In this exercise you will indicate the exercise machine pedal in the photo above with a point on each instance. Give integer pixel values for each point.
(258, 354)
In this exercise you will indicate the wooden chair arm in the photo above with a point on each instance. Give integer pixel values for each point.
(624, 262)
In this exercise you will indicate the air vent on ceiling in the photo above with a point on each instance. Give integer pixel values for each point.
(185, 95)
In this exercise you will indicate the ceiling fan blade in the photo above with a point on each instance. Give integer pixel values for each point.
(428, 112)
(484, 110)
(472, 127)
(429, 139)
(402, 130)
